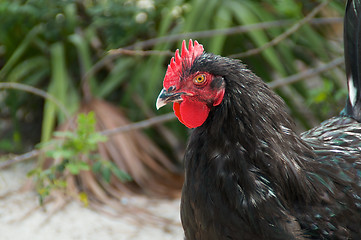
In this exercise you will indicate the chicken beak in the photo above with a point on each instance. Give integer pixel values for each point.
(165, 97)
(161, 100)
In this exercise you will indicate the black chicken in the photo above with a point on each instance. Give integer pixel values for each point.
(248, 175)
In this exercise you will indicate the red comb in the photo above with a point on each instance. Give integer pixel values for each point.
(176, 63)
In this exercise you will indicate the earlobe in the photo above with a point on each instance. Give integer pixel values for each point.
(219, 97)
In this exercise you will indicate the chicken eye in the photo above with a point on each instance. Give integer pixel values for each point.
(199, 79)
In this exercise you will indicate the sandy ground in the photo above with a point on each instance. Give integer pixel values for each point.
(21, 219)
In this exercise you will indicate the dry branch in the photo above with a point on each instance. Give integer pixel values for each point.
(35, 91)
(306, 74)
(130, 50)
(123, 51)
(117, 130)
(139, 125)
(226, 32)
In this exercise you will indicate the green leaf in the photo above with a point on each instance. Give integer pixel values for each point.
(96, 166)
(83, 165)
(60, 153)
(245, 14)
(75, 167)
(86, 124)
(60, 183)
(95, 138)
(106, 173)
(20, 50)
(83, 197)
(27, 67)
(65, 134)
(223, 19)
(117, 76)
(84, 55)
(33, 172)
(121, 175)
(57, 88)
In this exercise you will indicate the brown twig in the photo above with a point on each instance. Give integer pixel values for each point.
(36, 91)
(284, 35)
(129, 50)
(123, 51)
(121, 129)
(306, 74)
(226, 31)
(168, 135)
(115, 53)
(138, 125)
(20, 158)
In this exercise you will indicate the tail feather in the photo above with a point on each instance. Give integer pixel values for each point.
(352, 44)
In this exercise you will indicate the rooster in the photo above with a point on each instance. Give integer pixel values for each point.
(248, 174)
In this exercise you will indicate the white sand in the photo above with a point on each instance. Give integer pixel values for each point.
(75, 221)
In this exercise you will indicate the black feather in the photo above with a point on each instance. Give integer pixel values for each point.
(352, 44)
(249, 176)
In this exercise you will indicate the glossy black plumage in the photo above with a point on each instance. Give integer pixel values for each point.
(352, 43)
(249, 176)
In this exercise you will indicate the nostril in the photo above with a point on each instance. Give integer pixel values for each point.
(171, 88)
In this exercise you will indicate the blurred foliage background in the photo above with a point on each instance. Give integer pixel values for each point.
(62, 47)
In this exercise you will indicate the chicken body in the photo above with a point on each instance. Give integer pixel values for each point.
(248, 174)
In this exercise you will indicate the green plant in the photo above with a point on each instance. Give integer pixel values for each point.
(53, 45)
(71, 153)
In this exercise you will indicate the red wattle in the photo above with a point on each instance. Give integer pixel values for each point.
(192, 114)
(176, 109)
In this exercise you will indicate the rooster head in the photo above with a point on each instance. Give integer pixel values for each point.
(192, 88)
